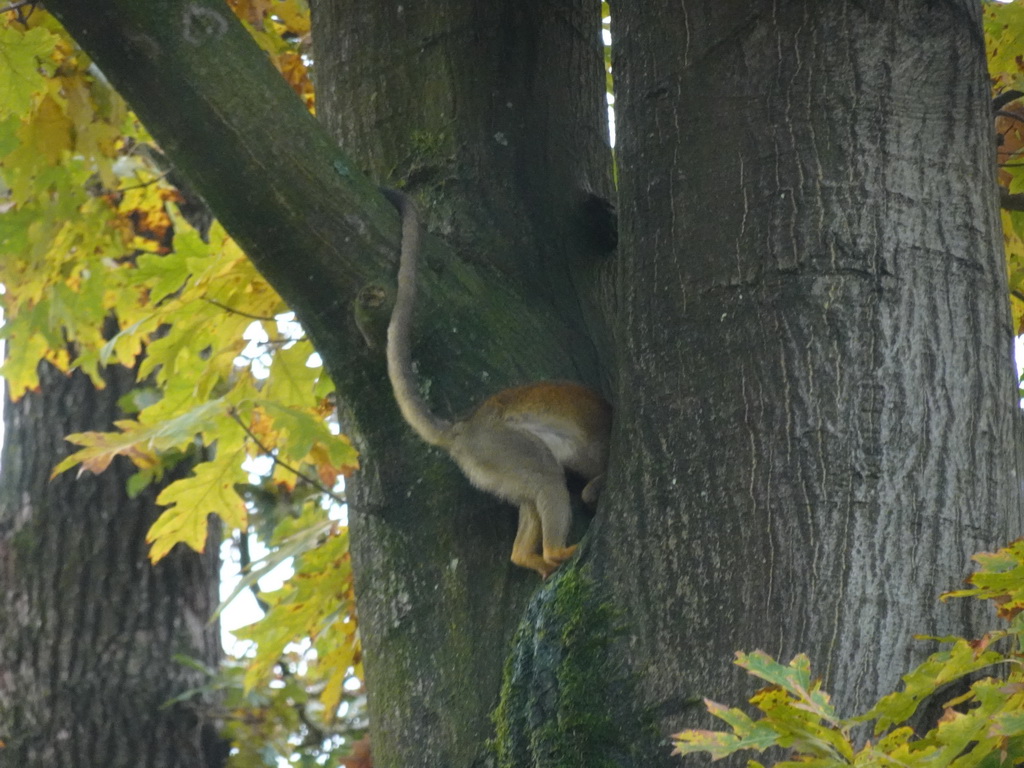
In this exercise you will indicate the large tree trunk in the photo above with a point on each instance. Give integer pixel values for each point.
(493, 112)
(815, 396)
(89, 630)
(819, 401)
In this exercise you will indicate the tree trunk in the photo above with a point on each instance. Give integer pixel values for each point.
(89, 630)
(494, 113)
(816, 382)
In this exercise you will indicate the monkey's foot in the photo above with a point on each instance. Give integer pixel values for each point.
(555, 556)
(535, 563)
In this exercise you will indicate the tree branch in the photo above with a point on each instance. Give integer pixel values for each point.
(313, 225)
(15, 6)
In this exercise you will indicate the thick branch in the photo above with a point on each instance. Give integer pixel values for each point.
(314, 226)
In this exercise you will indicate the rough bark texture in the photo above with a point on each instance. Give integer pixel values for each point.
(816, 384)
(492, 112)
(88, 628)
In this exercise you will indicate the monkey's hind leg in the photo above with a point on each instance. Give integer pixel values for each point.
(526, 549)
(555, 519)
(516, 465)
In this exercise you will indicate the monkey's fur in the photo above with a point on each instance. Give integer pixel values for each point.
(516, 444)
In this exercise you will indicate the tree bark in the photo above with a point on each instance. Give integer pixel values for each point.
(90, 632)
(819, 402)
(495, 114)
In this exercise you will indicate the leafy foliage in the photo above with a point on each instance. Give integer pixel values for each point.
(315, 603)
(108, 261)
(982, 723)
(271, 722)
(1004, 41)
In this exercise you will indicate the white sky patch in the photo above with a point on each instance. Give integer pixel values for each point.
(243, 610)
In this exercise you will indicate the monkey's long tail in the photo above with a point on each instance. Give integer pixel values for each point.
(432, 429)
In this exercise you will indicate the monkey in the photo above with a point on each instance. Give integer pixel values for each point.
(518, 443)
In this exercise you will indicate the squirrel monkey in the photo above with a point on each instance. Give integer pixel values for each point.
(516, 444)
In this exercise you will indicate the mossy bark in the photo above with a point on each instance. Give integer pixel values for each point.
(566, 702)
(493, 115)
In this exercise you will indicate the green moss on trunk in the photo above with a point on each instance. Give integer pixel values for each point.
(564, 703)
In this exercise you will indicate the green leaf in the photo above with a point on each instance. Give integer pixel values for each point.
(794, 678)
(49, 135)
(292, 380)
(1004, 36)
(138, 482)
(164, 274)
(301, 429)
(936, 672)
(287, 548)
(8, 138)
(21, 77)
(317, 602)
(718, 745)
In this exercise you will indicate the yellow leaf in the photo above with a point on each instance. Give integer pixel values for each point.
(139, 442)
(190, 501)
(20, 371)
(101, 448)
(294, 16)
(1014, 246)
(48, 133)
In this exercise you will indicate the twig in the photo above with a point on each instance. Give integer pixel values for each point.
(245, 561)
(301, 475)
(316, 733)
(1010, 202)
(140, 185)
(1005, 98)
(273, 344)
(15, 6)
(1009, 115)
(234, 311)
